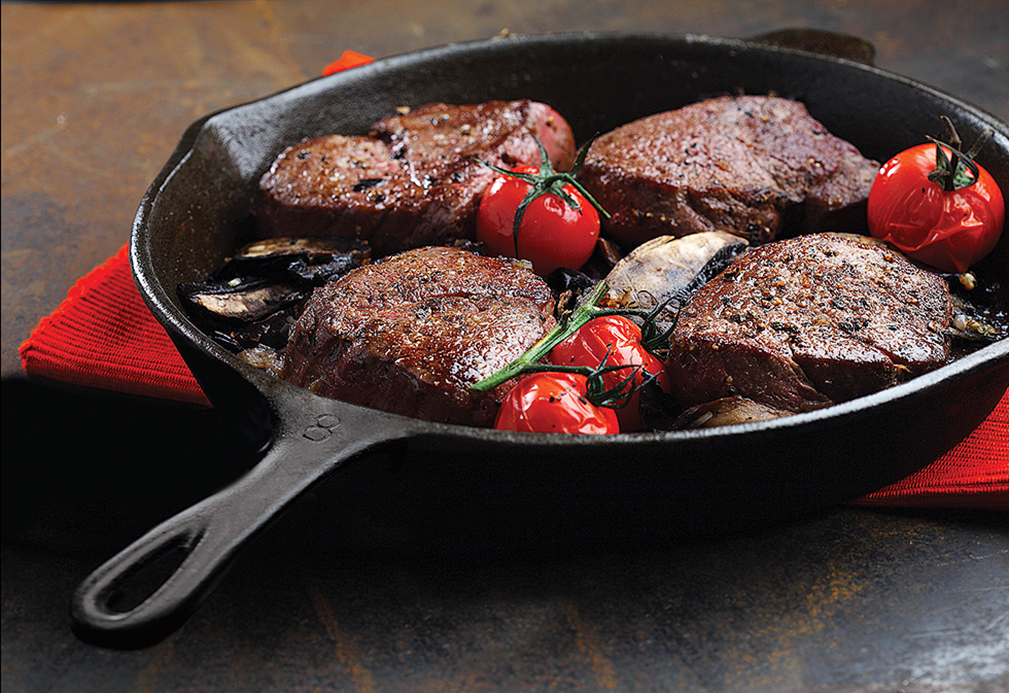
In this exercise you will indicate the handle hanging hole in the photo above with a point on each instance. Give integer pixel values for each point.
(136, 586)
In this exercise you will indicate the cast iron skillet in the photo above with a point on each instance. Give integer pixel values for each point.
(662, 484)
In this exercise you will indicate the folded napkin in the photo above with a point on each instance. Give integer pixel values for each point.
(103, 336)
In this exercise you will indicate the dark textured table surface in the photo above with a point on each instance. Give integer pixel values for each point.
(338, 596)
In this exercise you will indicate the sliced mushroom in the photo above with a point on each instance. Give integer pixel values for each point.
(250, 299)
(969, 323)
(244, 301)
(668, 268)
(315, 259)
(727, 411)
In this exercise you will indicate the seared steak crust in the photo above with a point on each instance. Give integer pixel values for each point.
(410, 182)
(410, 334)
(757, 166)
(802, 323)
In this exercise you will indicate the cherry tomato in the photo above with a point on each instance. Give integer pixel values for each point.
(618, 340)
(949, 229)
(554, 403)
(551, 234)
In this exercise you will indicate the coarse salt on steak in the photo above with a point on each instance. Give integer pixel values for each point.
(410, 334)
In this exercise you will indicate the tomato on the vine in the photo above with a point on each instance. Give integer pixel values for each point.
(540, 215)
(554, 403)
(617, 340)
(936, 205)
(551, 233)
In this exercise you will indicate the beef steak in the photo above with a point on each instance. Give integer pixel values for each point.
(802, 323)
(410, 181)
(757, 166)
(410, 334)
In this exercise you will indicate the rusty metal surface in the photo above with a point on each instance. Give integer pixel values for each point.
(94, 98)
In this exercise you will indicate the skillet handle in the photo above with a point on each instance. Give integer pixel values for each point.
(202, 540)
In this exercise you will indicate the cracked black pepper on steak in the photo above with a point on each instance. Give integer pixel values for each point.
(807, 322)
(410, 334)
(757, 166)
(413, 180)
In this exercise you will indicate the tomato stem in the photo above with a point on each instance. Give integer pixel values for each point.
(587, 310)
(957, 170)
(547, 181)
(621, 394)
(596, 392)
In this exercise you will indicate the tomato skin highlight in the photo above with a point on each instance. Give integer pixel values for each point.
(618, 340)
(949, 230)
(554, 403)
(551, 234)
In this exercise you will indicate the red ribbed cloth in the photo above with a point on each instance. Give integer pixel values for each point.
(103, 336)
